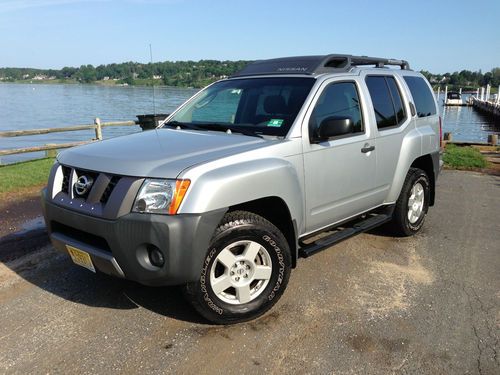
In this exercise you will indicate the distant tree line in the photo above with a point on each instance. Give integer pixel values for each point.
(464, 79)
(178, 73)
(201, 73)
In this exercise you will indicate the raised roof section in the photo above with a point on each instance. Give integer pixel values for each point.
(314, 65)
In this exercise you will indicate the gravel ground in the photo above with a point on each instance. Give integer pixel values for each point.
(374, 304)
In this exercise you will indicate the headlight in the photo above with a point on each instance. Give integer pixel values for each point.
(160, 196)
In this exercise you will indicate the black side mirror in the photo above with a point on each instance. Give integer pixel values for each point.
(333, 126)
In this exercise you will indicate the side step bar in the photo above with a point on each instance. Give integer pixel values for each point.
(343, 234)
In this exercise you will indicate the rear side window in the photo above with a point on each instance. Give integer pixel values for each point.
(387, 101)
(424, 99)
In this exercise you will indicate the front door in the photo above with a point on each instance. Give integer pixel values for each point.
(340, 172)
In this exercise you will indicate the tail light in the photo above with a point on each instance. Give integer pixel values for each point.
(440, 133)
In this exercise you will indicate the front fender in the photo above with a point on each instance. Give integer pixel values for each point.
(233, 184)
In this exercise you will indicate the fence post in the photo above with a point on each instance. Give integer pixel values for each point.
(50, 153)
(98, 129)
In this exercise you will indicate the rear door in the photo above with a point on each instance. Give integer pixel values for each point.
(393, 121)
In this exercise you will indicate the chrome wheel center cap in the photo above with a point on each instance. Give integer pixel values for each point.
(241, 272)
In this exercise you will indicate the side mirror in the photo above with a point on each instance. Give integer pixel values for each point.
(333, 126)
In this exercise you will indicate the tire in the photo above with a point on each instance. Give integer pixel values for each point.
(245, 271)
(413, 203)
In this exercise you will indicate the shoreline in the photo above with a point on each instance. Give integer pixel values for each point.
(97, 83)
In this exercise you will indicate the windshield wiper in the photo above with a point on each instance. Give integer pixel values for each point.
(184, 125)
(233, 129)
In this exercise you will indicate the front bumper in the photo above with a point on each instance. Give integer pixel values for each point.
(120, 247)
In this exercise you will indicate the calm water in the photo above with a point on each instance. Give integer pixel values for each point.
(466, 124)
(24, 106)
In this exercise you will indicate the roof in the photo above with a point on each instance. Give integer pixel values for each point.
(315, 65)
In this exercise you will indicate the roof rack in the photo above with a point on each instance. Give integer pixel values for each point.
(314, 65)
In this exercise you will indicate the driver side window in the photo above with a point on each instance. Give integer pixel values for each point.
(338, 100)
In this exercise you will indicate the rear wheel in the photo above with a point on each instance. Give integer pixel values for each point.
(245, 272)
(413, 203)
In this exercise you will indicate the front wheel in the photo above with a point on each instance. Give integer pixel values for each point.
(413, 203)
(245, 271)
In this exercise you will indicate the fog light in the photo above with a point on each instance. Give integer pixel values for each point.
(155, 256)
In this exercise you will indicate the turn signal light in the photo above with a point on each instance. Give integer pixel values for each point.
(181, 187)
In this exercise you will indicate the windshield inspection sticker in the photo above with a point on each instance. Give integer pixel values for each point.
(275, 122)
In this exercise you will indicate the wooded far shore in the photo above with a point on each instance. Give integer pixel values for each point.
(197, 74)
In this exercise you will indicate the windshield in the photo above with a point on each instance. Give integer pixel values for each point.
(261, 106)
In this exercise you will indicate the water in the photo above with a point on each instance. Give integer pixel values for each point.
(24, 106)
(466, 124)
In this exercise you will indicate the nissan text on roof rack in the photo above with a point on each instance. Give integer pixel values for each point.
(231, 191)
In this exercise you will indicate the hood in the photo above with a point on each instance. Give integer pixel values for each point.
(162, 153)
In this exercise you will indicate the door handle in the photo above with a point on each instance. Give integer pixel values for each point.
(367, 148)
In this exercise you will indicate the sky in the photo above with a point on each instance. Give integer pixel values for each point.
(438, 36)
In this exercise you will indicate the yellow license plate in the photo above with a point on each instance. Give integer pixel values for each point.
(80, 257)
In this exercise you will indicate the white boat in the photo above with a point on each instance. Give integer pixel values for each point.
(453, 98)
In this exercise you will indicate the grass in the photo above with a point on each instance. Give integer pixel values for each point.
(36, 172)
(463, 157)
(24, 174)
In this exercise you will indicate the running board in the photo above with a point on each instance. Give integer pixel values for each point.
(343, 234)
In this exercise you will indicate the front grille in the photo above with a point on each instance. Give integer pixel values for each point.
(66, 177)
(71, 176)
(81, 236)
(109, 189)
(104, 197)
(89, 175)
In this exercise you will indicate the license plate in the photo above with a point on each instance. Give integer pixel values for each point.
(80, 257)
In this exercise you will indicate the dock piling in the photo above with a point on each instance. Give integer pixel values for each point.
(98, 129)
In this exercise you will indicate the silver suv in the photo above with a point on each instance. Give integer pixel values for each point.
(234, 187)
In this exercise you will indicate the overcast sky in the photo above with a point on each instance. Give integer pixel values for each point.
(438, 36)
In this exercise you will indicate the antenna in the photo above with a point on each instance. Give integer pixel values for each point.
(152, 76)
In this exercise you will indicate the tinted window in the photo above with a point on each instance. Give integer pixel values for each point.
(422, 96)
(387, 103)
(338, 100)
(396, 100)
(258, 105)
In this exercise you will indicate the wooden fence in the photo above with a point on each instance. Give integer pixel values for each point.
(97, 126)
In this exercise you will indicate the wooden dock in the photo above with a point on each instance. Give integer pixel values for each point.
(487, 107)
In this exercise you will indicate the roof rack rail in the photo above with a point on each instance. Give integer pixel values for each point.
(315, 65)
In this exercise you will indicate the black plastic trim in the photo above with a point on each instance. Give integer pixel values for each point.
(314, 65)
(183, 240)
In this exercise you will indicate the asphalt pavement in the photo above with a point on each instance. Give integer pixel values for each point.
(374, 304)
